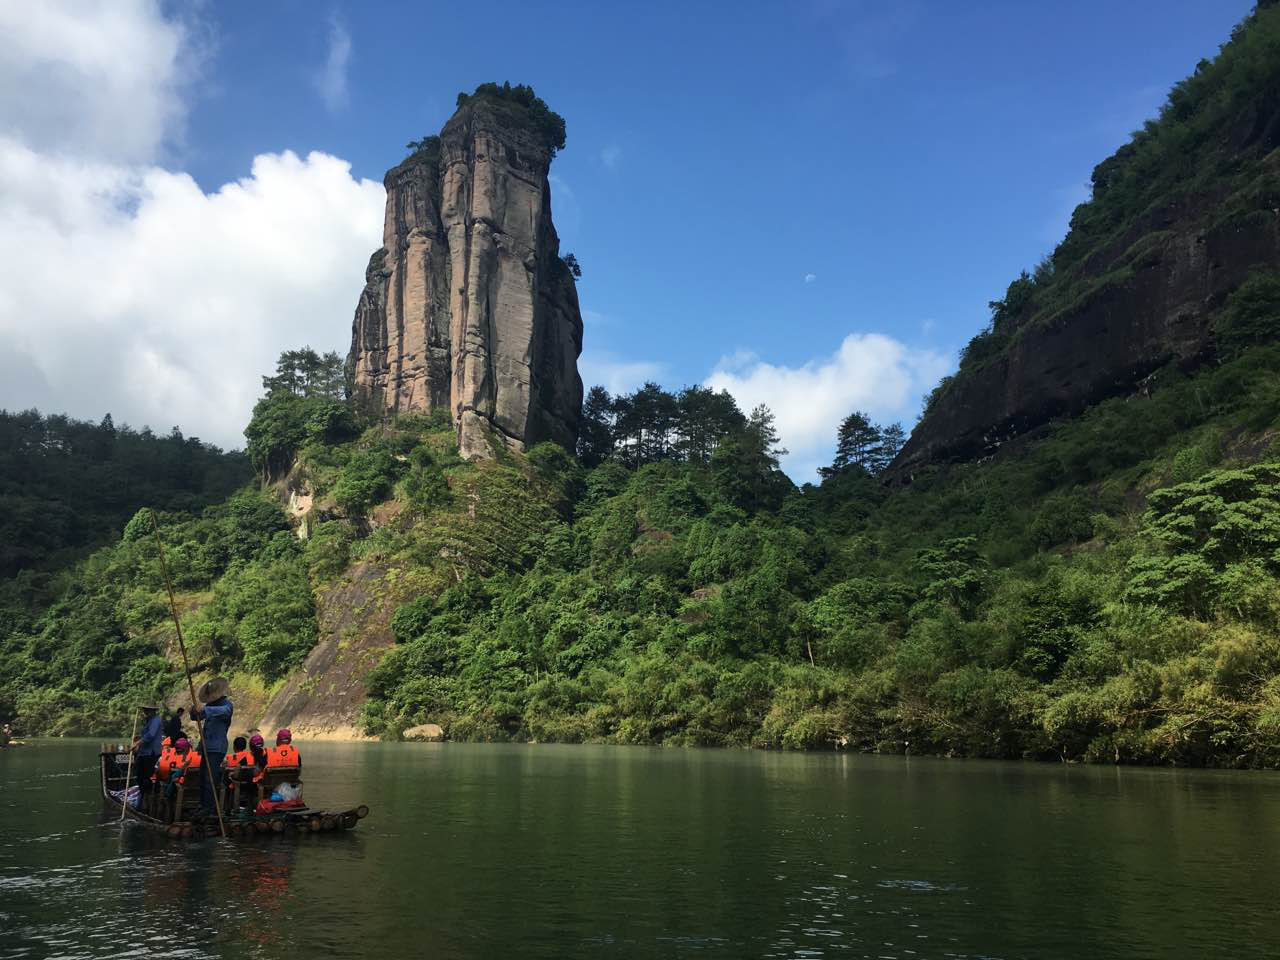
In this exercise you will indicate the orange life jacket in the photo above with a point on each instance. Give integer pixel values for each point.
(164, 765)
(184, 763)
(281, 755)
(241, 758)
(284, 755)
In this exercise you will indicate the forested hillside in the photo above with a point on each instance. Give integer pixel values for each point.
(67, 486)
(1100, 586)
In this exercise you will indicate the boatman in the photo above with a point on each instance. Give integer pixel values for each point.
(146, 748)
(216, 714)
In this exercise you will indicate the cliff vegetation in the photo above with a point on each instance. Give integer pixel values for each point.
(1101, 585)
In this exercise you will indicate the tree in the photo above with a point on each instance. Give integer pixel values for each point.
(595, 431)
(892, 438)
(305, 373)
(745, 465)
(856, 441)
(704, 418)
(571, 262)
(953, 572)
(305, 400)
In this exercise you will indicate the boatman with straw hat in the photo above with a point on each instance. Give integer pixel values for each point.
(146, 748)
(216, 714)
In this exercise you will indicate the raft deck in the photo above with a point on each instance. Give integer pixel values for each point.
(241, 824)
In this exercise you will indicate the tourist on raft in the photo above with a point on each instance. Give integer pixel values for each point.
(173, 726)
(216, 714)
(147, 747)
(258, 750)
(182, 761)
(283, 754)
(240, 766)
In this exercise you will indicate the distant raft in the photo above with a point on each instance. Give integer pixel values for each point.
(176, 820)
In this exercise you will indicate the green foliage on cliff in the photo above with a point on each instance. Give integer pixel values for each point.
(306, 400)
(1108, 589)
(1206, 149)
(524, 107)
(1108, 592)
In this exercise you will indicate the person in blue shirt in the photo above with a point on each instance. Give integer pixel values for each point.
(146, 748)
(216, 715)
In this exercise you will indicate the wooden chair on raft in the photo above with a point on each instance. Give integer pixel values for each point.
(272, 777)
(240, 789)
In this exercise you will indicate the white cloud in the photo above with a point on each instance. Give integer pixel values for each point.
(91, 77)
(138, 293)
(810, 277)
(611, 156)
(124, 287)
(616, 376)
(331, 81)
(869, 371)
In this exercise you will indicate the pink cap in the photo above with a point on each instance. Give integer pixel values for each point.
(284, 736)
(255, 740)
(183, 744)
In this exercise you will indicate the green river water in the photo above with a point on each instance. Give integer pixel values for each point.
(549, 851)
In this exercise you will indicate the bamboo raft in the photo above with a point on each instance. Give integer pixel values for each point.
(173, 818)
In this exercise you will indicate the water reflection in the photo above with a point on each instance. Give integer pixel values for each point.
(558, 852)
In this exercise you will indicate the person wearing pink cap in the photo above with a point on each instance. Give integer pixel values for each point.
(257, 747)
(283, 754)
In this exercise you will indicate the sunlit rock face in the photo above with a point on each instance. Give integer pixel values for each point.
(468, 305)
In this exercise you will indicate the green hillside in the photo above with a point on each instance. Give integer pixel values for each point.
(1107, 591)
(1104, 587)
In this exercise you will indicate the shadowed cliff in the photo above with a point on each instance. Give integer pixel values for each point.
(1179, 218)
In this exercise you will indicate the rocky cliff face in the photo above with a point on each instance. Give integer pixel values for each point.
(1150, 314)
(468, 305)
(1179, 218)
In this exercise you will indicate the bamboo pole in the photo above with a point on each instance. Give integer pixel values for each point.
(186, 665)
(124, 799)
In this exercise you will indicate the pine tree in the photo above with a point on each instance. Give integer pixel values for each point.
(856, 439)
(595, 435)
(892, 438)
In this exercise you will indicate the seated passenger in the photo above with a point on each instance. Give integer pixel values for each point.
(283, 754)
(239, 771)
(165, 764)
(185, 761)
(239, 755)
(280, 791)
(258, 751)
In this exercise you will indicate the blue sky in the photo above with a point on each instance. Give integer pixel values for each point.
(745, 184)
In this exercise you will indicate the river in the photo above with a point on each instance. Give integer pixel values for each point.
(550, 851)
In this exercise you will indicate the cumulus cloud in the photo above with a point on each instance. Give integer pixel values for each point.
(98, 78)
(810, 277)
(616, 376)
(331, 80)
(869, 371)
(137, 292)
(125, 287)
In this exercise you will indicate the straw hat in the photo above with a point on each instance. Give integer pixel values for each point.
(149, 706)
(213, 689)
